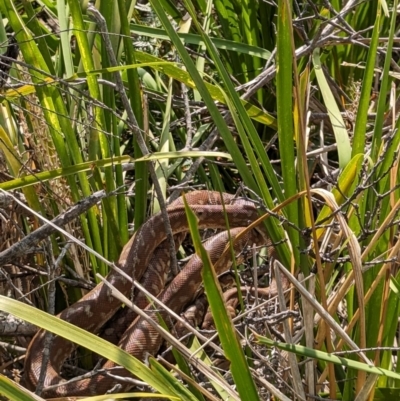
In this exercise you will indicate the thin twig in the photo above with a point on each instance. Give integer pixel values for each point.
(29, 243)
(48, 339)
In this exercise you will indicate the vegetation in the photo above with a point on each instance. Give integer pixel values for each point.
(293, 103)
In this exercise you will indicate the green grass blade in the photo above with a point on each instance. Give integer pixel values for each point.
(226, 330)
(37, 178)
(190, 38)
(384, 87)
(323, 356)
(369, 74)
(284, 104)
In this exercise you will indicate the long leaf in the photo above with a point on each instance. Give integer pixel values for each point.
(84, 339)
(230, 343)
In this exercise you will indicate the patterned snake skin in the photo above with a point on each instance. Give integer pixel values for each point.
(146, 255)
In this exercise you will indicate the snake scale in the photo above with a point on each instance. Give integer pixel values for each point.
(213, 210)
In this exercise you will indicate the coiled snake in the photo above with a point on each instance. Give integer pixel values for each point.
(98, 306)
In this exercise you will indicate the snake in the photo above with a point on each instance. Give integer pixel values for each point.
(144, 256)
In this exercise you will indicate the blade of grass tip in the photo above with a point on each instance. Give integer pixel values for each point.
(385, 7)
(231, 345)
(338, 125)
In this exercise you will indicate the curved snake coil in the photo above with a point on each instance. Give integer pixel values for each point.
(98, 306)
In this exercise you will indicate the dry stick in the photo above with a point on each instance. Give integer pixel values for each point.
(28, 243)
(133, 124)
(10, 326)
(18, 291)
(297, 382)
(368, 387)
(188, 119)
(309, 329)
(51, 268)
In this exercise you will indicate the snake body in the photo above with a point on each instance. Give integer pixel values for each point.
(213, 210)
